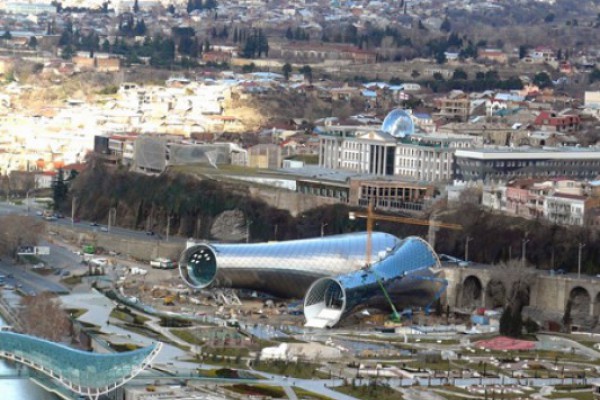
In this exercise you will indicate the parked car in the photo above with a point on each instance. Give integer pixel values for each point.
(94, 224)
(150, 233)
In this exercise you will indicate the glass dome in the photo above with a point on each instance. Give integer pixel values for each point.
(398, 123)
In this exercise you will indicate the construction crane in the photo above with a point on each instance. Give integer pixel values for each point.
(371, 218)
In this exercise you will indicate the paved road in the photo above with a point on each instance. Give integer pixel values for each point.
(30, 282)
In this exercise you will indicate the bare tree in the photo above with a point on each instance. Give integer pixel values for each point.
(516, 280)
(18, 230)
(43, 317)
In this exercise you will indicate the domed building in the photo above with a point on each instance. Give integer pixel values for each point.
(397, 149)
(398, 123)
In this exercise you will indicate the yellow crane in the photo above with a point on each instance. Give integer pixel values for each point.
(372, 217)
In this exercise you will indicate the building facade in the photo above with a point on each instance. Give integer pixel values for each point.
(394, 150)
(506, 163)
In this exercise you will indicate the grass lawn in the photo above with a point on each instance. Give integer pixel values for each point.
(227, 351)
(128, 317)
(300, 370)
(370, 392)
(237, 362)
(305, 394)
(75, 312)
(71, 280)
(187, 336)
(120, 348)
(259, 390)
(571, 395)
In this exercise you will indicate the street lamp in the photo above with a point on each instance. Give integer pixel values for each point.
(467, 240)
(27, 199)
(73, 199)
(524, 250)
(323, 225)
(580, 247)
(112, 212)
(248, 223)
(168, 226)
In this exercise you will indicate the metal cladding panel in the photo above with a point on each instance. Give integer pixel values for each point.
(330, 299)
(284, 269)
(412, 256)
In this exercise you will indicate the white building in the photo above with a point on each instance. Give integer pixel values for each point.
(395, 150)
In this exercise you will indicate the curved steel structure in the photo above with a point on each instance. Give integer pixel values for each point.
(285, 269)
(85, 373)
(330, 299)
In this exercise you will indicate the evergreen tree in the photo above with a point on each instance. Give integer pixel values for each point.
(522, 51)
(459, 74)
(287, 70)
(567, 319)
(446, 26)
(289, 35)
(506, 321)
(136, 7)
(140, 28)
(307, 72)
(7, 35)
(171, 9)
(32, 42)
(106, 46)
(595, 75)
(235, 35)
(59, 189)
(542, 80)
(67, 52)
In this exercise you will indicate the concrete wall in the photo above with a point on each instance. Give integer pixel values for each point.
(296, 203)
(138, 248)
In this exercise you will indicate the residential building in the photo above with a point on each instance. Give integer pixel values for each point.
(456, 106)
(565, 209)
(267, 156)
(558, 122)
(495, 55)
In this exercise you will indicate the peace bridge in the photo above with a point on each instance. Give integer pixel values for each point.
(85, 373)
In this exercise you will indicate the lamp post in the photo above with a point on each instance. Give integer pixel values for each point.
(27, 199)
(111, 212)
(248, 223)
(168, 226)
(323, 225)
(73, 200)
(580, 247)
(524, 250)
(467, 240)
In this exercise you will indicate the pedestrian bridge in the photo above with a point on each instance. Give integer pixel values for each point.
(85, 373)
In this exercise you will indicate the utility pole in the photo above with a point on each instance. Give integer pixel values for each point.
(467, 240)
(580, 247)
